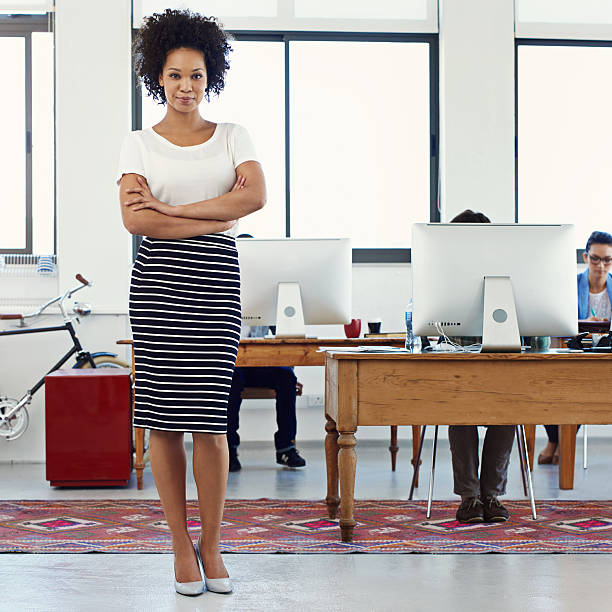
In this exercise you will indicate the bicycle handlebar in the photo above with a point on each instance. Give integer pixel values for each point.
(60, 298)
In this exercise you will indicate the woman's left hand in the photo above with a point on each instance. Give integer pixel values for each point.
(145, 199)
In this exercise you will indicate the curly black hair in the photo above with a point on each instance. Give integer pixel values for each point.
(173, 29)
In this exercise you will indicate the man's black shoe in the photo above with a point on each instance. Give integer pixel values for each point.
(494, 512)
(290, 458)
(470, 511)
(234, 463)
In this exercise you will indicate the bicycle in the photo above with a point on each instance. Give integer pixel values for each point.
(14, 417)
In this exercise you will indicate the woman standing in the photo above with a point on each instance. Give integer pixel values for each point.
(183, 184)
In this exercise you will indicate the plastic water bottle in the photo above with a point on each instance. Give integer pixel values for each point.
(413, 343)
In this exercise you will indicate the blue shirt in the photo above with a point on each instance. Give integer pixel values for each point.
(583, 293)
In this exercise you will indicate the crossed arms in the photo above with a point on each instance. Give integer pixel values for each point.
(144, 215)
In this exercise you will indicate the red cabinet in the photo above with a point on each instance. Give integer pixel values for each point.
(88, 424)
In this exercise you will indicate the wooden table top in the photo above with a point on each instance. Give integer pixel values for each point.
(463, 356)
(392, 341)
(383, 341)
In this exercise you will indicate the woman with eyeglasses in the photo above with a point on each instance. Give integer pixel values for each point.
(594, 304)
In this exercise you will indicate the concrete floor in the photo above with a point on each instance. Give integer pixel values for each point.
(281, 582)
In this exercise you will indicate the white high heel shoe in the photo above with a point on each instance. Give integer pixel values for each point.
(190, 588)
(216, 585)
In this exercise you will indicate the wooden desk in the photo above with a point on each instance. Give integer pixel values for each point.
(265, 352)
(456, 389)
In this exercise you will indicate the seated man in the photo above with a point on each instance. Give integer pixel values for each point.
(479, 493)
(284, 382)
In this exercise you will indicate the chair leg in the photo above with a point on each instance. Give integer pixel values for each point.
(415, 472)
(530, 436)
(519, 447)
(585, 442)
(393, 447)
(433, 471)
(529, 482)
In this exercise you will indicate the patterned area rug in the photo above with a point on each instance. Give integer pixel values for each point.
(271, 526)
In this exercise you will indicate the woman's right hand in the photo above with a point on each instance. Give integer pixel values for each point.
(239, 184)
(226, 225)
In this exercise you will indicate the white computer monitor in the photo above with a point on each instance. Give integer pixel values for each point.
(290, 282)
(498, 281)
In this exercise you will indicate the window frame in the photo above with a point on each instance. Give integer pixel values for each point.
(541, 42)
(22, 26)
(366, 255)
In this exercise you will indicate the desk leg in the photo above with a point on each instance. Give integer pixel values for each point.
(393, 447)
(331, 459)
(416, 456)
(567, 455)
(139, 434)
(347, 461)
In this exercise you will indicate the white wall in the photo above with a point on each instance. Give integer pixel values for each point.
(477, 108)
(93, 114)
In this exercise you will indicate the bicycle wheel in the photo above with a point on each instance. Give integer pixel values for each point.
(106, 361)
(14, 427)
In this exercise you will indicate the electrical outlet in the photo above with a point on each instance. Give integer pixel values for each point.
(315, 401)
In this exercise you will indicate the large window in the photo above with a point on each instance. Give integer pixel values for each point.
(26, 153)
(359, 137)
(346, 130)
(564, 130)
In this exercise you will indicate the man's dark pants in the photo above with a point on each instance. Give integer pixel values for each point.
(495, 458)
(283, 381)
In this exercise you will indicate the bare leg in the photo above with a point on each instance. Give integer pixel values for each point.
(210, 468)
(168, 464)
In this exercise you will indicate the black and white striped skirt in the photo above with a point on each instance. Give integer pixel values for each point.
(185, 317)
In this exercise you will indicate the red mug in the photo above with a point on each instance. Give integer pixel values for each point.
(353, 329)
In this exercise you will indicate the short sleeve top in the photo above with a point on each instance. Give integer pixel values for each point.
(183, 175)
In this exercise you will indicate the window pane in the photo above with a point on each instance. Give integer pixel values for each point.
(254, 97)
(564, 135)
(362, 9)
(219, 8)
(42, 143)
(564, 11)
(12, 151)
(359, 140)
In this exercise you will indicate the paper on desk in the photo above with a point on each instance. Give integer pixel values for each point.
(362, 349)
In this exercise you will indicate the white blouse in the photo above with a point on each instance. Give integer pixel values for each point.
(183, 175)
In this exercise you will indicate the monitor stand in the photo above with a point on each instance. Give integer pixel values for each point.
(500, 332)
(289, 312)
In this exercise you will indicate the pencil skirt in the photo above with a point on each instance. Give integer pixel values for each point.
(185, 319)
